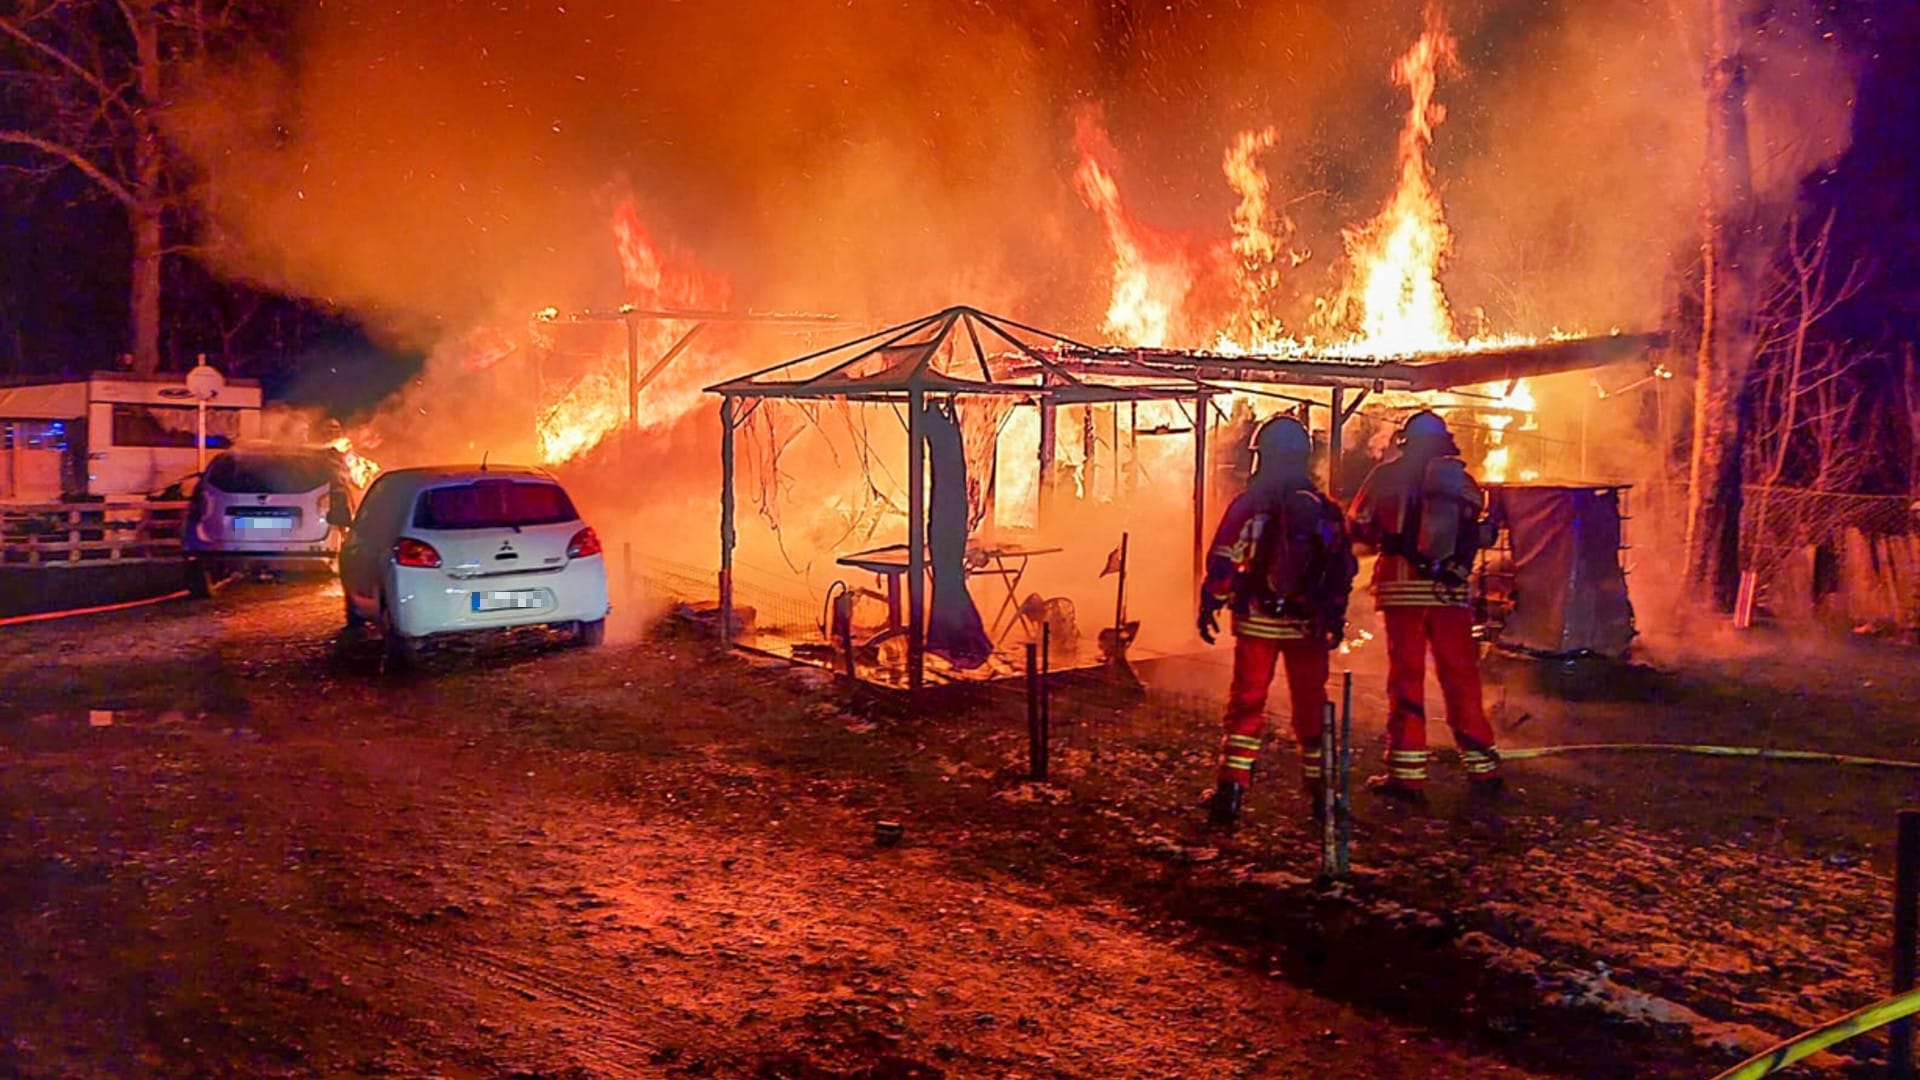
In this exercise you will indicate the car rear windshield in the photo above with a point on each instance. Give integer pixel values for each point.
(270, 474)
(492, 504)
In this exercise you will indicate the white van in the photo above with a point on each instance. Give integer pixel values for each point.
(271, 508)
(456, 549)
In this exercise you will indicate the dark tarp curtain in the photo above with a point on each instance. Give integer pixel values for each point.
(954, 628)
(1569, 591)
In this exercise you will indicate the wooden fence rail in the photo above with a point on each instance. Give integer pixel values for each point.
(72, 534)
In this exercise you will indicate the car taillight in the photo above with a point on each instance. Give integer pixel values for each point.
(585, 542)
(411, 552)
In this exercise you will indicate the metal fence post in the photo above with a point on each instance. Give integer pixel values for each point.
(1033, 710)
(1329, 827)
(1343, 804)
(1046, 701)
(1906, 928)
(626, 572)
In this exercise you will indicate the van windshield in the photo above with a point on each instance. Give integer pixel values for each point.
(270, 474)
(492, 504)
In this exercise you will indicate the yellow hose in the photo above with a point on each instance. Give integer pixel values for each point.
(1526, 752)
(1808, 1043)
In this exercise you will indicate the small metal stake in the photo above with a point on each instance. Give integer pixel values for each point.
(1033, 710)
(626, 572)
(1046, 700)
(1343, 804)
(1329, 801)
(1906, 931)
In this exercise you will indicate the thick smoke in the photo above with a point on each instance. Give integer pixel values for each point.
(436, 166)
(443, 169)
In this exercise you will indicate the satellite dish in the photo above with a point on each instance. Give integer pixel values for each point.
(205, 382)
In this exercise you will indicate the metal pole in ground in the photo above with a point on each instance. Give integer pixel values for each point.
(1906, 934)
(1046, 699)
(1329, 828)
(1033, 710)
(846, 639)
(1342, 803)
(626, 572)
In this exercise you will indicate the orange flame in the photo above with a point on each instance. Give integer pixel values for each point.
(655, 278)
(1260, 233)
(1391, 303)
(360, 468)
(1152, 273)
(1397, 257)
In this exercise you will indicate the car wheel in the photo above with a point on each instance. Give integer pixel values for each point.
(593, 631)
(199, 585)
(396, 649)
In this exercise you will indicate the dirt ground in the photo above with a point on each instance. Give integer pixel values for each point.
(234, 846)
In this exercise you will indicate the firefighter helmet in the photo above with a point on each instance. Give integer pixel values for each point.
(1425, 424)
(1282, 440)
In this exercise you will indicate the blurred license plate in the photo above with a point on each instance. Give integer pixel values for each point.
(259, 521)
(506, 601)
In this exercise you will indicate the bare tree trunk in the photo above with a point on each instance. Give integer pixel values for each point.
(1726, 340)
(144, 214)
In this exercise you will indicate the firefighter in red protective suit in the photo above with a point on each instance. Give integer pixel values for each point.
(1282, 564)
(1422, 511)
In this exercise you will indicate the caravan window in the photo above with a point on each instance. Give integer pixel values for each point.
(172, 425)
(33, 434)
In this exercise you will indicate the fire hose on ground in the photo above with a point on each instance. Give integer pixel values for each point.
(1527, 753)
(1807, 1043)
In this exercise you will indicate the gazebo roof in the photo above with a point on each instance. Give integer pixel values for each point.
(962, 350)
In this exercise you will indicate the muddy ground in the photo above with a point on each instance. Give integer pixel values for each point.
(234, 846)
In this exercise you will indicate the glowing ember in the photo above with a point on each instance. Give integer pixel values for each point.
(1357, 640)
(655, 278)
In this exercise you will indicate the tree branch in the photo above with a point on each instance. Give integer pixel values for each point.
(76, 159)
(11, 28)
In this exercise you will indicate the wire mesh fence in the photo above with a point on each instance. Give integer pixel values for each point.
(1821, 553)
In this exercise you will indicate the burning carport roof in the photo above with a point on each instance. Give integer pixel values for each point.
(1422, 372)
(962, 351)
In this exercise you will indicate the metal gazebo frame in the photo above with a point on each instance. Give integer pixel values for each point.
(954, 352)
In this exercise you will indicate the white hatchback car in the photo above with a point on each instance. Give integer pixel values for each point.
(457, 549)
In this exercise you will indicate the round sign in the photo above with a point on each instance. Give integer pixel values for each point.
(205, 382)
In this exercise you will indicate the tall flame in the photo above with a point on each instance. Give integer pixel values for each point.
(1260, 233)
(1397, 257)
(1391, 301)
(1152, 273)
